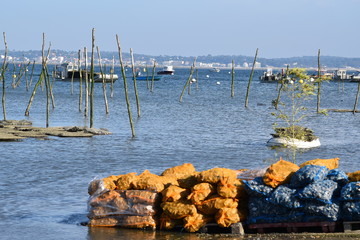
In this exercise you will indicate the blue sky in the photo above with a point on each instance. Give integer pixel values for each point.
(279, 28)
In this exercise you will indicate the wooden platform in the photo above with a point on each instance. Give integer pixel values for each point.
(351, 227)
(324, 227)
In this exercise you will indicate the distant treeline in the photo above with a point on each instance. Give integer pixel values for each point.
(305, 61)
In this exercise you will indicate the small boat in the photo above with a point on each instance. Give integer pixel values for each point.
(269, 76)
(70, 71)
(167, 70)
(341, 75)
(215, 70)
(147, 78)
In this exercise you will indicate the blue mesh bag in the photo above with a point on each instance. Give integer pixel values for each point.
(285, 197)
(308, 174)
(321, 191)
(351, 191)
(257, 187)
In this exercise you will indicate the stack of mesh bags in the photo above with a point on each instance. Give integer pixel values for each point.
(214, 195)
(129, 200)
(290, 193)
(350, 198)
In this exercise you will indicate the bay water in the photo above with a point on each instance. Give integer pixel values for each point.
(43, 183)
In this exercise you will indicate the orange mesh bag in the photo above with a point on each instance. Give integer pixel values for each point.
(174, 193)
(279, 173)
(126, 221)
(103, 199)
(200, 192)
(212, 205)
(123, 182)
(109, 182)
(216, 174)
(142, 196)
(189, 181)
(148, 181)
(233, 189)
(181, 171)
(166, 222)
(194, 222)
(178, 210)
(331, 163)
(354, 176)
(227, 216)
(95, 186)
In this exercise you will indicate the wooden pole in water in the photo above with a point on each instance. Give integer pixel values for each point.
(31, 76)
(188, 81)
(103, 82)
(3, 78)
(250, 80)
(112, 70)
(92, 80)
(232, 78)
(318, 84)
(125, 87)
(80, 81)
(276, 104)
(72, 77)
(153, 77)
(356, 98)
(134, 80)
(86, 84)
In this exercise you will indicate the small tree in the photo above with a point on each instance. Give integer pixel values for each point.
(290, 110)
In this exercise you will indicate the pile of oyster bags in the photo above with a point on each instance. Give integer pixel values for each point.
(180, 196)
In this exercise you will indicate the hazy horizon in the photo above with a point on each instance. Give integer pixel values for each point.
(279, 28)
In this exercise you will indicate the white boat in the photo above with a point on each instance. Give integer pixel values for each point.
(167, 70)
(269, 76)
(292, 142)
(215, 70)
(69, 71)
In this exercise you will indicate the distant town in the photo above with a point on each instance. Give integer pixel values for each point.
(208, 61)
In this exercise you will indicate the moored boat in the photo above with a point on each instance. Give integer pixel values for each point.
(70, 71)
(167, 70)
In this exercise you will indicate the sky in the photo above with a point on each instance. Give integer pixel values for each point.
(278, 28)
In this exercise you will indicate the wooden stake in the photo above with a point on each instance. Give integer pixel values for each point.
(125, 88)
(250, 80)
(3, 78)
(232, 79)
(103, 82)
(318, 84)
(188, 81)
(80, 81)
(153, 76)
(134, 80)
(86, 84)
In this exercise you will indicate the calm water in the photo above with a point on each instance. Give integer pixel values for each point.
(43, 183)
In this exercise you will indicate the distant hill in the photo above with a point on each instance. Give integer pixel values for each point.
(305, 61)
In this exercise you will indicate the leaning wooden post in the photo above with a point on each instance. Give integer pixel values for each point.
(356, 98)
(31, 76)
(134, 80)
(72, 77)
(188, 81)
(103, 82)
(112, 70)
(250, 80)
(92, 80)
(318, 84)
(80, 81)
(232, 79)
(125, 88)
(3, 78)
(86, 84)
(153, 77)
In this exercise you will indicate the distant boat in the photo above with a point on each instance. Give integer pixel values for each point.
(147, 78)
(69, 71)
(215, 70)
(269, 76)
(167, 70)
